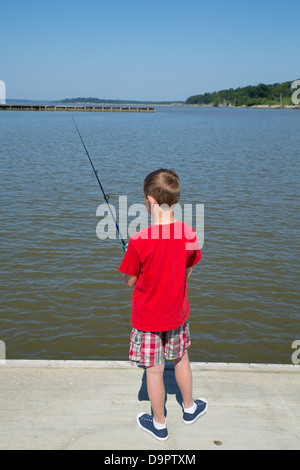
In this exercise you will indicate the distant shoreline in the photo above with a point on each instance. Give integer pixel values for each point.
(255, 106)
(94, 103)
(152, 103)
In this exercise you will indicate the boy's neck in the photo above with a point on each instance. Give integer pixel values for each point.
(162, 217)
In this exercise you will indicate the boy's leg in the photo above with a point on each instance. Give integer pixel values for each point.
(183, 375)
(156, 391)
(192, 409)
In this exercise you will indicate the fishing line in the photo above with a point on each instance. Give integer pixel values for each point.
(106, 196)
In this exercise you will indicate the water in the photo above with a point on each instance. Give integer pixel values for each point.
(62, 296)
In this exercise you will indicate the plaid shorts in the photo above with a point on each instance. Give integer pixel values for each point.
(153, 348)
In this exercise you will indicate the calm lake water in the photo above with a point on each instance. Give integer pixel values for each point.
(62, 296)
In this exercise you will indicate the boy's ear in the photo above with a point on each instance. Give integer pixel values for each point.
(152, 200)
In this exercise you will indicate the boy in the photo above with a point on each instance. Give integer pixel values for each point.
(158, 262)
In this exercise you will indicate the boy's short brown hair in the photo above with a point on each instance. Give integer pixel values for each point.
(163, 185)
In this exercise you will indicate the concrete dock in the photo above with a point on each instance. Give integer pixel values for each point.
(73, 108)
(93, 405)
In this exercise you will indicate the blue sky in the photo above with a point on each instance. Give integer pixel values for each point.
(145, 50)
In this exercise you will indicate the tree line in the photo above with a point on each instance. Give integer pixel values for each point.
(91, 100)
(269, 95)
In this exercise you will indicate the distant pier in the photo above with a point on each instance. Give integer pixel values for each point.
(90, 108)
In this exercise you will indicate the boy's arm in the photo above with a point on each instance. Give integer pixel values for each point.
(129, 280)
(188, 273)
(130, 264)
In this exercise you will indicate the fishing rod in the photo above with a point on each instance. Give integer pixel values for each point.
(106, 196)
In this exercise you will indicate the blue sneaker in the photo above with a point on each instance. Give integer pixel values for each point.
(145, 422)
(201, 409)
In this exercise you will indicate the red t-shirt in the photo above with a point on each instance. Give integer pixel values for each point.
(159, 256)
